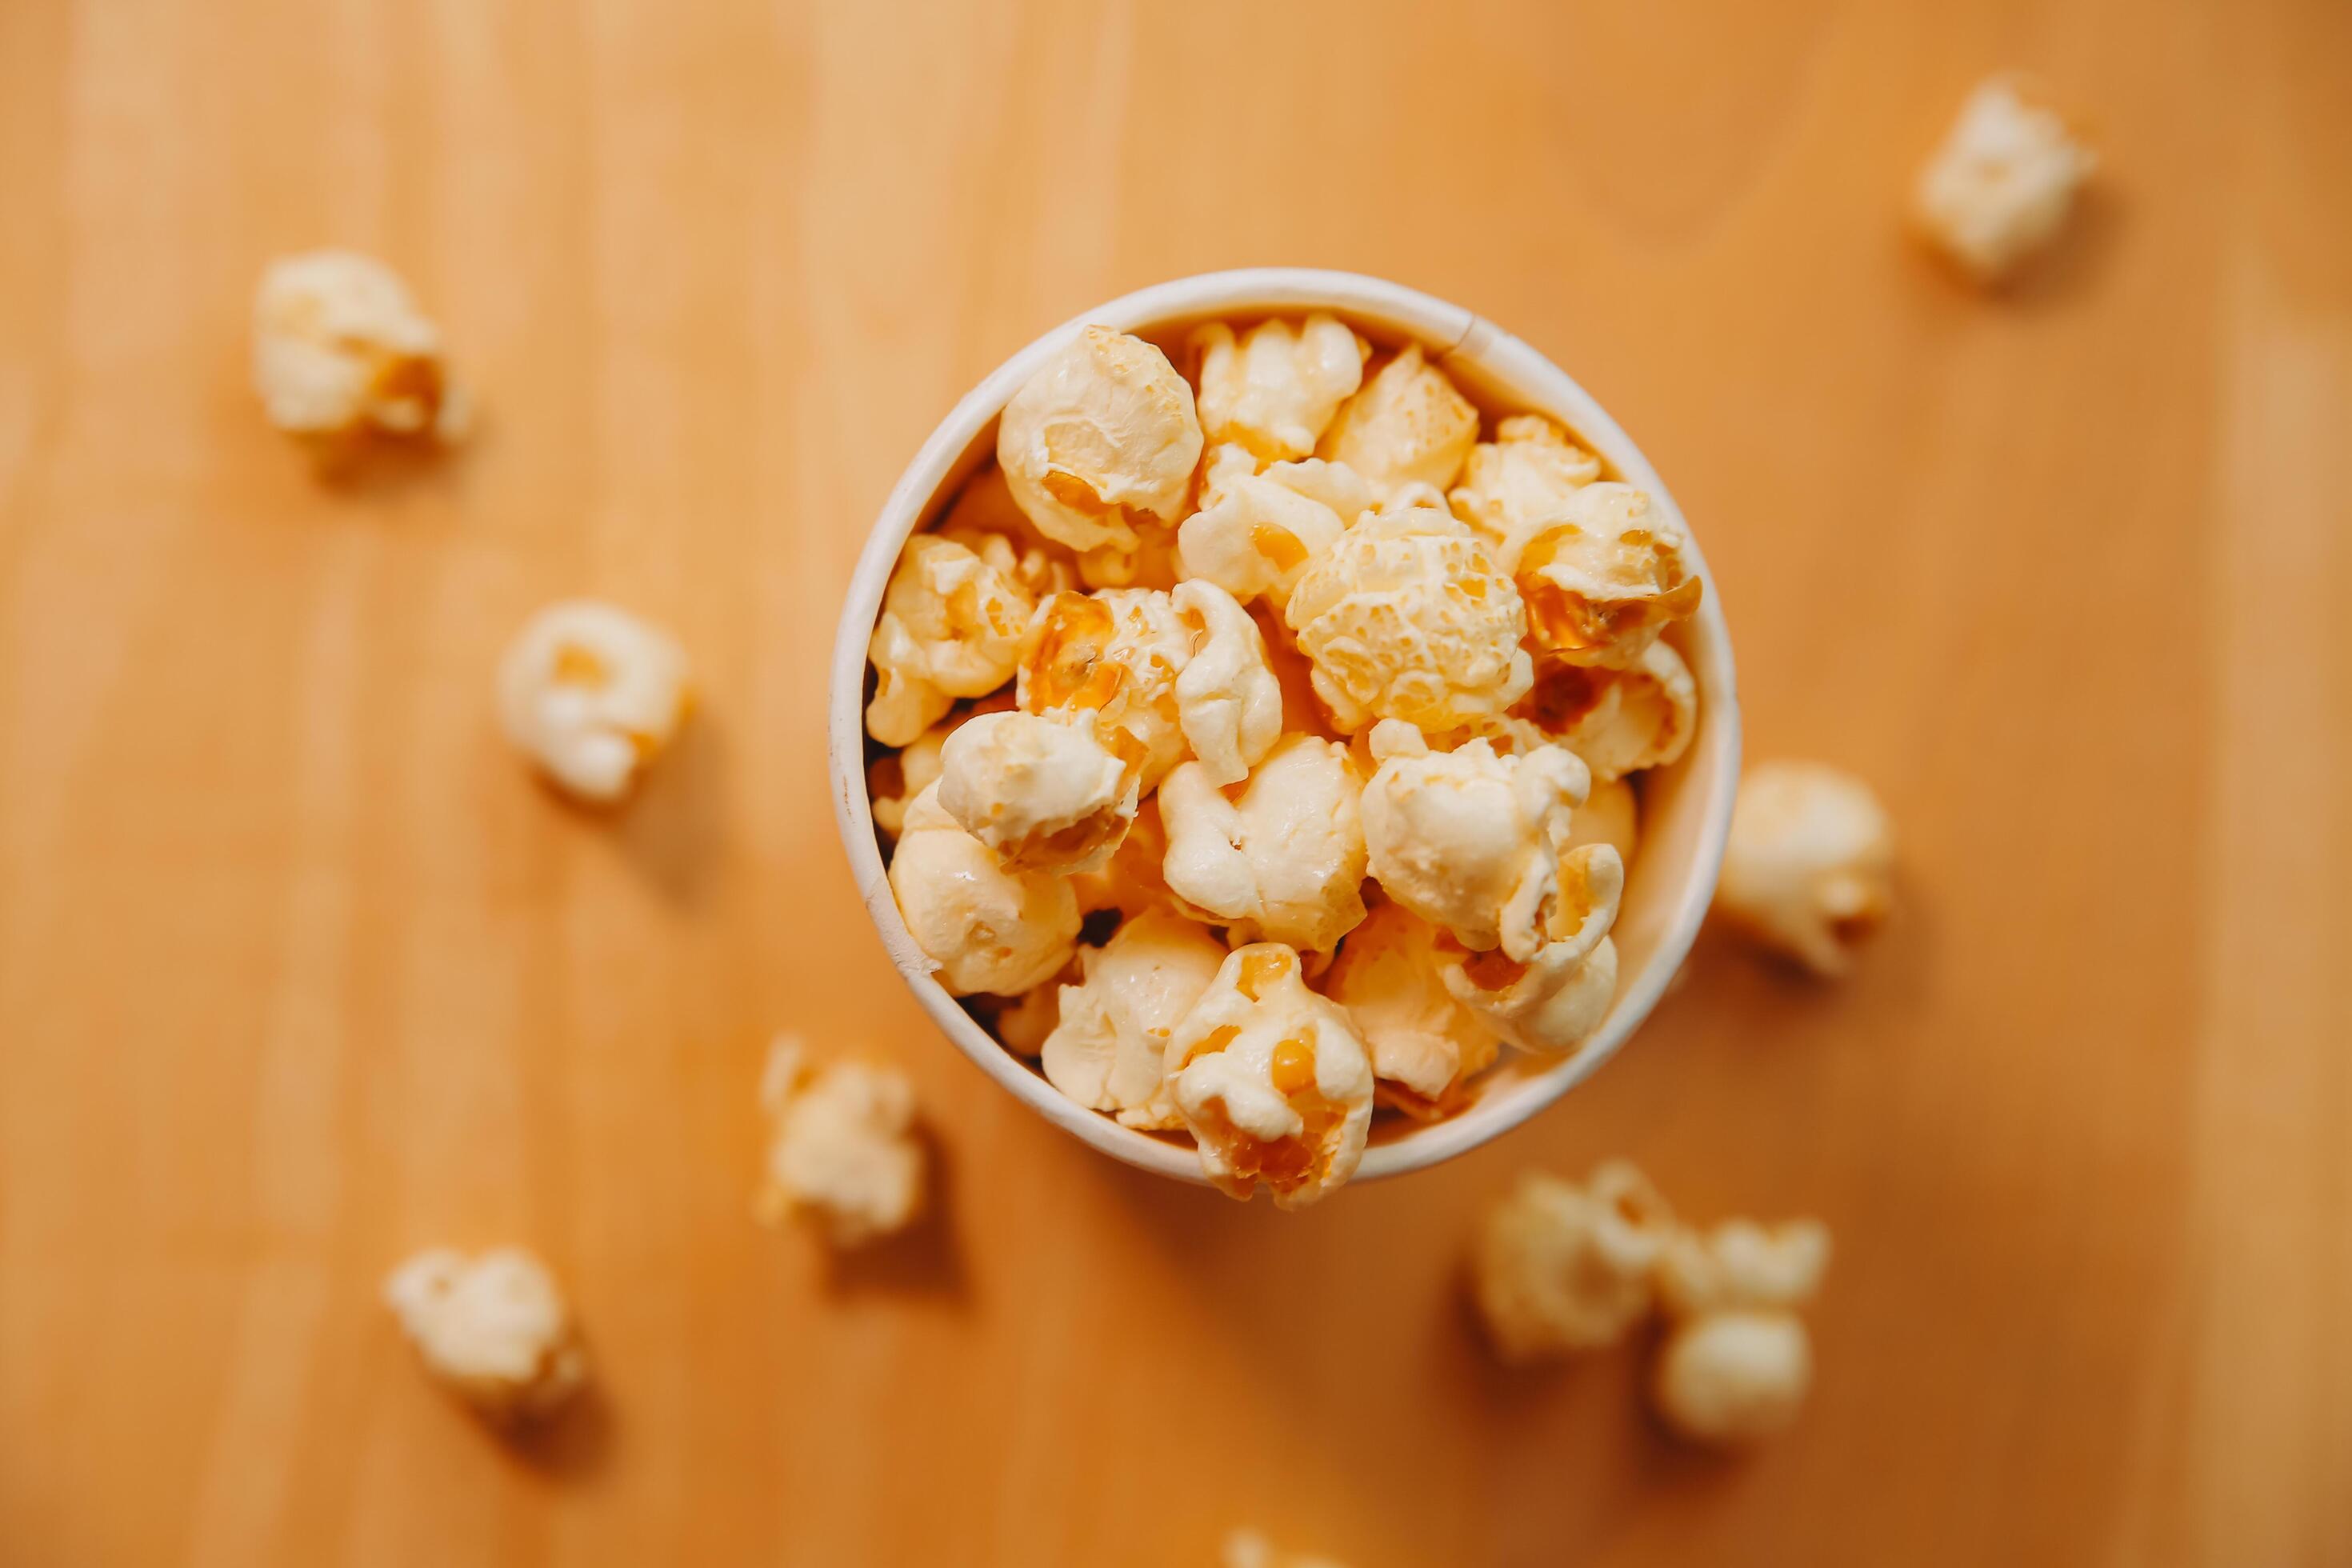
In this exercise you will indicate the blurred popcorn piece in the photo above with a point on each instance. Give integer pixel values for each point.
(1248, 1549)
(1409, 426)
(1271, 1080)
(1559, 1267)
(1742, 1264)
(1999, 186)
(1104, 435)
(842, 1151)
(1733, 1377)
(952, 625)
(592, 695)
(1108, 1052)
(1255, 532)
(339, 349)
(988, 926)
(1040, 791)
(1111, 658)
(1280, 857)
(493, 1328)
(1603, 576)
(1522, 479)
(1425, 1044)
(1275, 389)
(1809, 867)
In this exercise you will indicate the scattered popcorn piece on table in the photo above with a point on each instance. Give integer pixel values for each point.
(1425, 1044)
(1733, 1377)
(1275, 389)
(1105, 432)
(1559, 1267)
(1740, 1263)
(952, 625)
(592, 695)
(1409, 426)
(843, 1151)
(341, 351)
(1041, 792)
(990, 927)
(1999, 185)
(1280, 857)
(1108, 1052)
(494, 1328)
(1809, 867)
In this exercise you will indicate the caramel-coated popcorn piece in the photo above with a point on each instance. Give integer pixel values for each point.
(592, 694)
(1521, 480)
(1110, 1050)
(1271, 1080)
(1280, 857)
(1227, 699)
(1113, 655)
(1999, 185)
(1559, 1267)
(1425, 1044)
(1103, 435)
(952, 625)
(1733, 1377)
(842, 1151)
(990, 927)
(1275, 390)
(1603, 577)
(1409, 426)
(1810, 868)
(340, 349)
(493, 1328)
(1041, 792)
(1619, 721)
(1255, 532)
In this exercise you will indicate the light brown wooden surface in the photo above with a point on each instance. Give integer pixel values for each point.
(299, 970)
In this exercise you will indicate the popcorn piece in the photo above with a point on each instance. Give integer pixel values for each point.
(1999, 185)
(1610, 815)
(1151, 563)
(951, 626)
(1024, 1024)
(1550, 1003)
(1272, 1080)
(1603, 576)
(592, 694)
(1558, 1267)
(1619, 721)
(984, 509)
(339, 349)
(1733, 1377)
(1227, 699)
(1810, 868)
(1248, 1549)
(494, 1328)
(1276, 392)
(842, 1151)
(1036, 571)
(1040, 791)
(990, 927)
(1105, 432)
(1425, 1044)
(1115, 654)
(1406, 617)
(1408, 425)
(1132, 881)
(1255, 533)
(1742, 1265)
(1281, 858)
(1470, 841)
(1110, 1050)
(1522, 479)
(897, 777)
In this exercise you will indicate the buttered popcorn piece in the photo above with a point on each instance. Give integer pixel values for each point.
(592, 694)
(1255, 532)
(1105, 434)
(1602, 577)
(1425, 1044)
(1741, 1264)
(1409, 426)
(897, 777)
(988, 926)
(842, 1151)
(1521, 479)
(1809, 867)
(1559, 1267)
(1999, 185)
(1114, 655)
(1550, 1003)
(1110, 1050)
(1406, 617)
(493, 1328)
(1733, 1377)
(1227, 699)
(1619, 721)
(1280, 857)
(1470, 841)
(1041, 792)
(1275, 389)
(952, 625)
(340, 347)
(1271, 1080)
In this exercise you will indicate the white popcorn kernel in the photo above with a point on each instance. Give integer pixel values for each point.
(1602, 577)
(1105, 433)
(1255, 532)
(340, 349)
(1409, 424)
(1227, 699)
(1619, 721)
(1551, 1003)
(1470, 841)
(592, 694)
(1999, 185)
(1740, 1264)
(1280, 857)
(1271, 1080)
(1424, 1045)
(1521, 479)
(1729, 1378)
(990, 927)
(1406, 617)
(1110, 1050)
(1277, 390)
(1114, 655)
(951, 626)
(1558, 1267)
(1042, 793)
(493, 1328)
(1611, 816)
(1809, 867)
(1248, 1549)
(843, 1151)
